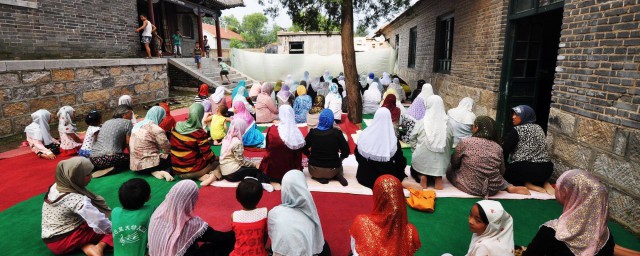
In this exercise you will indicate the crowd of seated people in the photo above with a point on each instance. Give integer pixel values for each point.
(455, 144)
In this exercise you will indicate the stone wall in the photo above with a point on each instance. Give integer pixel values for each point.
(26, 86)
(594, 121)
(478, 42)
(61, 29)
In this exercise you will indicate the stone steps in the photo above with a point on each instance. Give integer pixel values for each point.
(211, 71)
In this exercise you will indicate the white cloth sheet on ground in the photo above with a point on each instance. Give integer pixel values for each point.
(350, 166)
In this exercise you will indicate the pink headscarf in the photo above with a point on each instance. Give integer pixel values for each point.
(173, 228)
(256, 88)
(236, 131)
(583, 223)
(242, 112)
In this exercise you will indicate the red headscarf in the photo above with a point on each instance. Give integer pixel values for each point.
(390, 103)
(168, 122)
(203, 91)
(386, 231)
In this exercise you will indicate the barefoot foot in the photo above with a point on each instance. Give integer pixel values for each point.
(207, 181)
(438, 183)
(423, 182)
(534, 188)
(550, 190)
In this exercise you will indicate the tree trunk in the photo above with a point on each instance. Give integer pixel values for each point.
(349, 64)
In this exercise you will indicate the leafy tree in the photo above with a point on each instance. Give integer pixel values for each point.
(208, 20)
(308, 21)
(235, 43)
(361, 31)
(231, 23)
(254, 30)
(341, 12)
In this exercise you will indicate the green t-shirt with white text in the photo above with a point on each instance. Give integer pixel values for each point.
(129, 228)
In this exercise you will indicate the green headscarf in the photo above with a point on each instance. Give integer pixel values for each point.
(154, 115)
(70, 178)
(194, 123)
(486, 128)
(278, 86)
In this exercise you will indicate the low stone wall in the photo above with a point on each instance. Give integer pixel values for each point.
(612, 152)
(26, 86)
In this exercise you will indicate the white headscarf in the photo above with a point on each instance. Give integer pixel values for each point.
(427, 90)
(65, 123)
(217, 96)
(125, 100)
(463, 114)
(386, 80)
(39, 127)
(435, 124)
(294, 226)
(307, 78)
(498, 237)
(372, 94)
(378, 141)
(288, 130)
(326, 76)
(289, 80)
(240, 97)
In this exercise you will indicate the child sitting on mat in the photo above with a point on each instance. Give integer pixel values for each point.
(250, 223)
(131, 222)
(218, 127)
(93, 120)
(70, 141)
(492, 229)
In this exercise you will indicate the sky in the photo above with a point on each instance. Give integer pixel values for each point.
(283, 20)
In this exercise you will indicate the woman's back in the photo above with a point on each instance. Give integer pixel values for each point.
(531, 145)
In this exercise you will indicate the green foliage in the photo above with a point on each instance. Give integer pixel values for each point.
(361, 31)
(208, 20)
(231, 23)
(310, 20)
(307, 13)
(235, 43)
(255, 31)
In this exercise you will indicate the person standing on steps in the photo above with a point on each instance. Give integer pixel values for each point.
(207, 48)
(147, 28)
(197, 53)
(224, 71)
(177, 41)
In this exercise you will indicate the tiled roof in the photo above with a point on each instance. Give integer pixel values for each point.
(226, 33)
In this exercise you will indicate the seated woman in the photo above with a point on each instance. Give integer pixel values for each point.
(107, 153)
(252, 136)
(417, 91)
(392, 91)
(302, 105)
(168, 122)
(191, 155)
(582, 227)
(461, 120)
(127, 101)
(174, 230)
(283, 146)
(326, 147)
(149, 147)
(72, 216)
(478, 164)
(378, 151)
(314, 112)
(254, 91)
(266, 110)
(386, 231)
(203, 94)
(93, 121)
(390, 104)
(217, 99)
(409, 119)
(39, 137)
(492, 229)
(294, 226)
(241, 91)
(371, 99)
(333, 101)
(431, 144)
(233, 165)
(284, 96)
(525, 146)
(70, 142)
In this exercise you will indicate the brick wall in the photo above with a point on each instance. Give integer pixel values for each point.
(478, 43)
(179, 78)
(69, 29)
(26, 86)
(595, 120)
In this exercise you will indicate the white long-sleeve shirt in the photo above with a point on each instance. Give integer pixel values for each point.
(64, 213)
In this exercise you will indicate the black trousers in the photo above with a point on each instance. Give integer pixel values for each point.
(536, 173)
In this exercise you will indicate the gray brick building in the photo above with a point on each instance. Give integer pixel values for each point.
(66, 29)
(577, 63)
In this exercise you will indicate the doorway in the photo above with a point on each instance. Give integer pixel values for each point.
(529, 66)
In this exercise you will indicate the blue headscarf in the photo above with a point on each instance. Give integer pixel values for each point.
(235, 90)
(325, 121)
(333, 89)
(372, 75)
(154, 115)
(526, 114)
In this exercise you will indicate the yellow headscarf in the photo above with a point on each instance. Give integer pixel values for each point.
(301, 90)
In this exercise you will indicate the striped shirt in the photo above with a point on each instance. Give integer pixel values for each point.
(190, 152)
